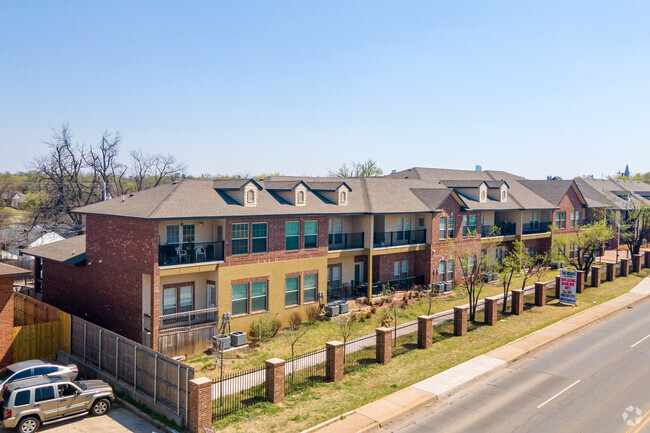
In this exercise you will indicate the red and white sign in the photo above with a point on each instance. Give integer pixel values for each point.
(568, 286)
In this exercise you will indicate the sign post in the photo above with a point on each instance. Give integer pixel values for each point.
(568, 285)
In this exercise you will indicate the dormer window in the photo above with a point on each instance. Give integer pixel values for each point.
(344, 197)
(503, 194)
(301, 197)
(250, 196)
(483, 195)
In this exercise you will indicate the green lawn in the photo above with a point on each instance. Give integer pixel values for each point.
(326, 400)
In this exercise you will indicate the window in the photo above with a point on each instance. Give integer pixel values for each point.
(464, 226)
(344, 196)
(403, 228)
(310, 288)
(239, 299)
(405, 269)
(534, 217)
(22, 398)
(188, 234)
(532, 251)
(442, 270)
(40, 371)
(443, 227)
(450, 270)
(291, 293)
(482, 195)
(563, 220)
(472, 223)
(577, 218)
(239, 238)
(44, 393)
(311, 234)
(250, 196)
(334, 277)
(471, 261)
(259, 296)
(451, 222)
(396, 270)
(66, 390)
(172, 235)
(301, 197)
(421, 223)
(169, 300)
(259, 238)
(572, 221)
(503, 195)
(335, 228)
(186, 299)
(292, 235)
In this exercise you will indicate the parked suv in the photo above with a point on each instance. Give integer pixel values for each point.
(37, 367)
(28, 403)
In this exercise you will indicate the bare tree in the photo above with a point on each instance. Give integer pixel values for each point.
(141, 166)
(294, 332)
(472, 262)
(367, 168)
(348, 326)
(104, 161)
(156, 168)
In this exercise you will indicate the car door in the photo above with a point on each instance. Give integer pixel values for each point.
(45, 399)
(70, 400)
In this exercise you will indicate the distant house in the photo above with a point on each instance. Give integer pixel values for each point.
(17, 199)
(17, 237)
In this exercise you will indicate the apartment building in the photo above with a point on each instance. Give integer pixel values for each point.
(163, 266)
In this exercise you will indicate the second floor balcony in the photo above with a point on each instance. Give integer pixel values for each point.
(536, 227)
(345, 241)
(499, 229)
(406, 237)
(187, 253)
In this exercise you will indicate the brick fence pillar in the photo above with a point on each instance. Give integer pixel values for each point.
(384, 348)
(491, 310)
(647, 259)
(625, 267)
(540, 294)
(275, 380)
(611, 271)
(460, 320)
(557, 287)
(425, 331)
(595, 276)
(6, 320)
(580, 282)
(517, 302)
(636, 263)
(200, 404)
(335, 360)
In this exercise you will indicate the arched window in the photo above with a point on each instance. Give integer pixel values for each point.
(344, 196)
(301, 196)
(503, 194)
(250, 196)
(482, 195)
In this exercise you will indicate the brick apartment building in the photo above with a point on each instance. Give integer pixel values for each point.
(164, 265)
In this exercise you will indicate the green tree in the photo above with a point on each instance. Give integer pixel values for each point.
(588, 241)
(636, 227)
(472, 263)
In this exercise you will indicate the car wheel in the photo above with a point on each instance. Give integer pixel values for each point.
(29, 425)
(101, 406)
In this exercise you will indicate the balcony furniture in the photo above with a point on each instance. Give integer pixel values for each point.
(199, 252)
(173, 254)
(182, 254)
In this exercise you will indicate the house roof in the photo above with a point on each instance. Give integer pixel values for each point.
(608, 193)
(551, 190)
(12, 271)
(71, 250)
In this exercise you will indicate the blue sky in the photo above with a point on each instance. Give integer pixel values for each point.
(531, 87)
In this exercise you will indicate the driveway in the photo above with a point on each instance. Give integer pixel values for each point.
(118, 420)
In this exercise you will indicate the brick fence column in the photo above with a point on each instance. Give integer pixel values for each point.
(636, 263)
(517, 302)
(611, 271)
(647, 259)
(275, 380)
(540, 294)
(557, 287)
(6, 320)
(460, 320)
(491, 310)
(200, 404)
(580, 282)
(425, 332)
(335, 360)
(384, 348)
(595, 276)
(625, 267)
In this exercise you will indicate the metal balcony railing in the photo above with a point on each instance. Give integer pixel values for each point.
(536, 227)
(499, 229)
(188, 319)
(345, 241)
(405, 237)
(195, 252)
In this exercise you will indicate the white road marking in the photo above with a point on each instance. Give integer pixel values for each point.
(564, 390)
(647, 336)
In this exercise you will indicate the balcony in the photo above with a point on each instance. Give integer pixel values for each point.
(345, 241)
(188, 320)
(392, 239)
(536, 227)
(499, 229)
(196, 252)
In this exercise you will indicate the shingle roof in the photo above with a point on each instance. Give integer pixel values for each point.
(551, 190)
(12, 271)
(71, 250)
(605, 193)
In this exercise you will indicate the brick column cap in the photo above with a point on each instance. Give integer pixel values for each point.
(426, 317)
(201, 381)
(638, 255)
(596, 267)
(494, 298)
(334, 344)
(541, 283)
(461, 307)
(274, 361)
(383, 330)
(518, 290)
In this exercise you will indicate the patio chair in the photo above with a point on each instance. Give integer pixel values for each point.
(200, 252)
(181, 254)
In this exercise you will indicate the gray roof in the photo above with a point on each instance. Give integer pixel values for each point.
(551, 190)
(608, 193)
(12, 271)
(71, 250)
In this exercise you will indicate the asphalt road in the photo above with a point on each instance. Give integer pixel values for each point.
(597, 380)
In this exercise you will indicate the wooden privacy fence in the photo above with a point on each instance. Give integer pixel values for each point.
(156, 380)
(40, 330)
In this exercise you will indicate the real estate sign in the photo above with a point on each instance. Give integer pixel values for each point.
(568, 283)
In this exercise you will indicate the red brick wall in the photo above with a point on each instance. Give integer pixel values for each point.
(108, 289)
(383, 266)
(570, 203)
(6, 320)
(276, 241)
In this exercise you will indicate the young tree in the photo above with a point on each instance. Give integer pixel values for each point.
(587, 243)
(636, 227)
(529, 264)
(348, 327)
(472, 262)
(293, 333)
(509, 266)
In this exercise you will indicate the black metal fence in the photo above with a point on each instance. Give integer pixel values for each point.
(406, 237)
(499, 229)
(359, 353)
(305, 370)
(345, 241)
(536, 227)
(195, 252)
(237, 391)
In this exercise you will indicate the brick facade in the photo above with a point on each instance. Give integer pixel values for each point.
(6, 320)
(570, 203)
(200, 404)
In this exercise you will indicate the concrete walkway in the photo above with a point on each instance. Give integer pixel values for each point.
(401, 403)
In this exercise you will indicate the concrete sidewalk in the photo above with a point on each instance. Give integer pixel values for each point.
(401, 403)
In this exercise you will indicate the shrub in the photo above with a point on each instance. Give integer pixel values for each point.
(264, 328)
(313, 314)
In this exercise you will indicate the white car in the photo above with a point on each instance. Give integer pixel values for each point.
(37, 367)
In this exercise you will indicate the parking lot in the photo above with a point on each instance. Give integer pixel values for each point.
(118, 420)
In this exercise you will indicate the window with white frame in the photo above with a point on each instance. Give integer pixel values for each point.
(259, 296)
(311, 234)
(450, 270)
(260, 238)
(291, 291)
(403, 228)
(239, 299)
(451, 221)
(405, 269)
(442, 271)
(292, 235)
(310, 288)
(185, 299)
(443, 228)
(188, 234)
(173, 234)
(169, 300)
(239, 238)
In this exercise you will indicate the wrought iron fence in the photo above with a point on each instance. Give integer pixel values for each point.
(405, 338)
(345, 241)
(406, 237)
(305, 370)
(359, 353)
(237, 391)
(195, 252)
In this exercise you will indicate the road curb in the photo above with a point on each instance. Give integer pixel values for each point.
(448, 382)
